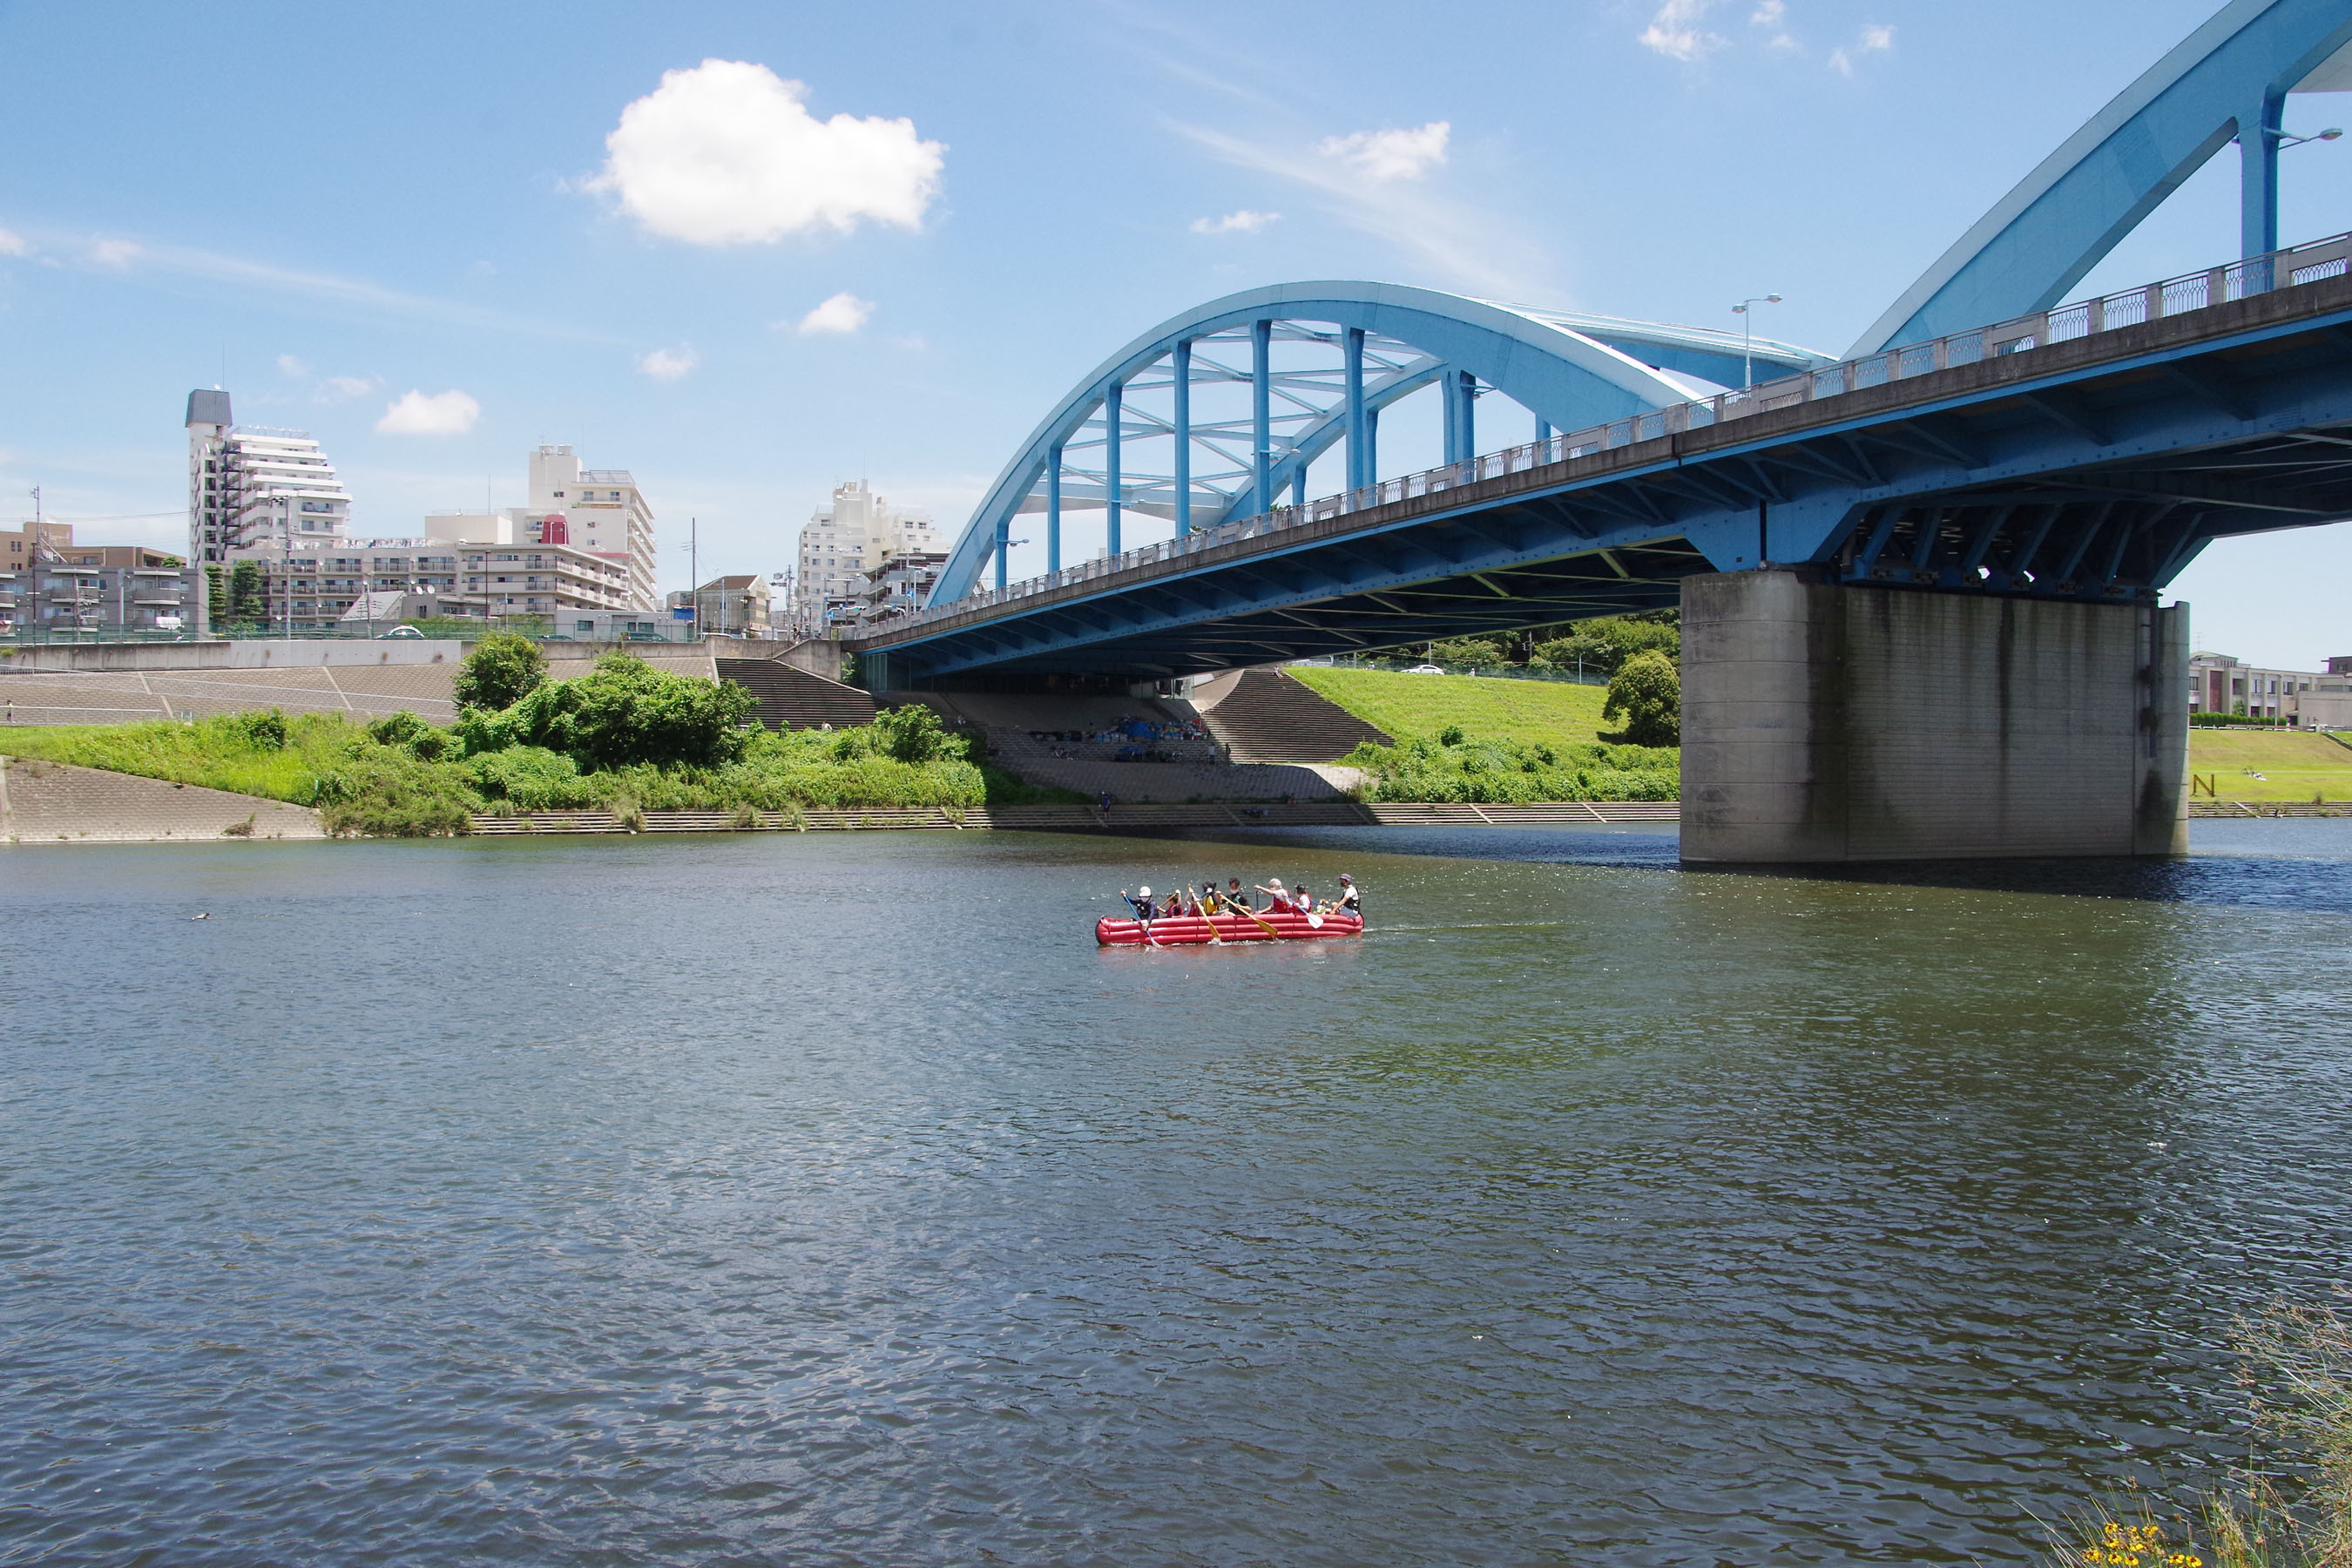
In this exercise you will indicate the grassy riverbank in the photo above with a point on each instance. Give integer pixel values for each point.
(1418, 707)
(371, 783)
(1492, 741)
(2290, 766)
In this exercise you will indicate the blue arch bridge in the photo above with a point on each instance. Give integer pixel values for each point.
(1921, 583)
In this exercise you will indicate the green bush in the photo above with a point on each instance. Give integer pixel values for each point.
(1647, 693)
(1452, 735)
(532, 778)
(913, 734)
(499, 672)
(624, 711)
(264, 731)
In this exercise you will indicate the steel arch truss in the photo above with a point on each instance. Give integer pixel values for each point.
(1214, 415)
(2227, 81)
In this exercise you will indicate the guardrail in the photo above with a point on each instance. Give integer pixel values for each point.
(2330, 257)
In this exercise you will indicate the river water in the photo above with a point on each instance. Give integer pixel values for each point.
(831, 1199)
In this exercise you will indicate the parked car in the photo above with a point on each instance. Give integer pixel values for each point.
(1425, 670)
(399, 632)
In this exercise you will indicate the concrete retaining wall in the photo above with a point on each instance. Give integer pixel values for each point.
(52, 803)
(1835, 723)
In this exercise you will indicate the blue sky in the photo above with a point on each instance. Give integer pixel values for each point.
(328, 208)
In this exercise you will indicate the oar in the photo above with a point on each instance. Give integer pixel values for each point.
(1244, 907)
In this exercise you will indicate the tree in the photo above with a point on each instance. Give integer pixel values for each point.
(1602, 646)
(1471, 651)
(912, 734)
(1647, 693)
(499, 672)
(215, 597)
(249, 596)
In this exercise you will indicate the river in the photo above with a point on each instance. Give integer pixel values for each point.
(831, 1199)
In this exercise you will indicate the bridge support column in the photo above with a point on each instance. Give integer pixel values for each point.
(1827, 723)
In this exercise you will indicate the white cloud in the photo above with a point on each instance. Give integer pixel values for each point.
(1675, 32)
(1391, 154)
(726, 153)
(449, 413)
(1485, 251)
(115, 253)
(1242, 222)
(844, 312)
(289, 365)
(668, 365)
(1770, 14)
(343, 388)
(1875, 40)
(15, 244)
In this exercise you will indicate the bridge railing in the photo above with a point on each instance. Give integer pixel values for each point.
(2330, 257)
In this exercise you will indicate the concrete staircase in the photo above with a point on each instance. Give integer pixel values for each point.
(792, 699)
(1264, 716)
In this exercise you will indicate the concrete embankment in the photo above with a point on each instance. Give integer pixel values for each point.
(49, 803)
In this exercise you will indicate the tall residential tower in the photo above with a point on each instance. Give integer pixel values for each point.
(859, 532)
(253, 488)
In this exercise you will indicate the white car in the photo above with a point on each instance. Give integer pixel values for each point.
(1425, 670)
(399, 632)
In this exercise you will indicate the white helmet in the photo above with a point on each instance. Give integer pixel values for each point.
(1143, 892)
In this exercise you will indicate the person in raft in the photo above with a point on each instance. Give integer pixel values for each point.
(1351, 901)
(1277, 902)
(1141, 902)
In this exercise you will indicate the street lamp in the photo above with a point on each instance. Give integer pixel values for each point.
(1748, 334)
(2285, 141)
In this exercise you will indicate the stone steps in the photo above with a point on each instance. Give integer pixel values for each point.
(792, 699)
(1267, 717)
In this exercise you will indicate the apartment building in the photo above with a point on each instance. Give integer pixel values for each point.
(895, 586)
(252, 487)
(856, 533)
(731, 606)
(311, 589)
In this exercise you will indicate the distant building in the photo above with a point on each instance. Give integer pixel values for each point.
(2328, 704)
(2219, 683)
(312, 589)
(18, 546)
(735, 606)
(596, 511)
(251, 487)
(892, 587)
(857, 532)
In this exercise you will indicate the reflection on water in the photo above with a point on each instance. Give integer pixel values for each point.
(831, 1199)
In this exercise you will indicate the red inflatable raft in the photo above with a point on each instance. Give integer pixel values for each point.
(1181, 931)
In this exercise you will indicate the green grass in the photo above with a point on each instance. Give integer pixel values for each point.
(1413, 707)
(363, 787)
(2294, 766)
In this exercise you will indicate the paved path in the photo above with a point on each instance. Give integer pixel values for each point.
(46, 803)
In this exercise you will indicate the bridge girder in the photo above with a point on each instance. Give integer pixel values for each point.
(1999, 496)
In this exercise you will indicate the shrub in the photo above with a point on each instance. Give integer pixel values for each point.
(913, 734)
(530, 778)
(262, 731)
(624, 711)
(1647, 693)
(499, 672)
(1452, 735)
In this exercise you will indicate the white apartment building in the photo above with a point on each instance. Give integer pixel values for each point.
(846, 540)
(253, 488)
(597, 509)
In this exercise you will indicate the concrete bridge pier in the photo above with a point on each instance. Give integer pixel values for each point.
(1831, 723)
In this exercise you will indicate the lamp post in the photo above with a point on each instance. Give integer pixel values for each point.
(1748, 334)
(2285, 141)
